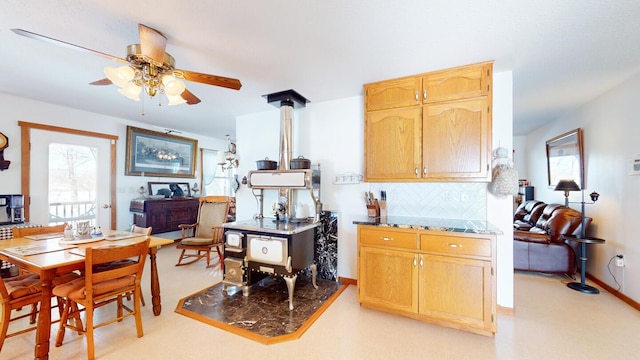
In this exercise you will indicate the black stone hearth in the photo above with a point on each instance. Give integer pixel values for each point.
(264, 315)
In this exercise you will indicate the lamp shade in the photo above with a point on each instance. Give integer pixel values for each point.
(120, 76)
(172, 86)
(567, 185)
(131, 90)
(175, 100)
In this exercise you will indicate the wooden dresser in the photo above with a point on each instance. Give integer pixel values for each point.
(164, 214)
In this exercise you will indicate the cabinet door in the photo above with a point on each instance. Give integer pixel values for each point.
(392, 94)
(456, 290)
(392, 144)
(459, 83)
(457, 139)
(388, 278)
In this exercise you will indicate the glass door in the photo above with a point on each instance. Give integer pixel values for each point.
(73, 170)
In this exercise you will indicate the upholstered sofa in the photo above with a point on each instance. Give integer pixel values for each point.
(543, 247)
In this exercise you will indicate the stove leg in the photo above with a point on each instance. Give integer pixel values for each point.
(245, 290)
(291, 284)
(314, 274)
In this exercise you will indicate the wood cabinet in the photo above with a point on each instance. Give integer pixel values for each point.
(394, 137)
(433, 276)
(164, 215)
(430, 127)
(445, 85)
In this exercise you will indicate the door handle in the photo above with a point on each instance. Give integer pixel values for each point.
(106, 206)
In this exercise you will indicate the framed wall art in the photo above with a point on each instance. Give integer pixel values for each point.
(153, 153)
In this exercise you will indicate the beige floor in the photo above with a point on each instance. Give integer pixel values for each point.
(551, 322)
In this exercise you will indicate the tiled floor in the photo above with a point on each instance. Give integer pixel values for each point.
(550, 322)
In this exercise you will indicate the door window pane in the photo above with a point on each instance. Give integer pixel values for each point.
(72, 183)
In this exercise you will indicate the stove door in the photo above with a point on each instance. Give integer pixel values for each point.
(267, 249)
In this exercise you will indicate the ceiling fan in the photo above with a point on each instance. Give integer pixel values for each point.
(149, 68)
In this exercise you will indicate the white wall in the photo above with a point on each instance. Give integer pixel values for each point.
(331, 133)
(16, 109)
(611, 132)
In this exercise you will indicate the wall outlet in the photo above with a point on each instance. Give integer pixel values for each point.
(619, 260)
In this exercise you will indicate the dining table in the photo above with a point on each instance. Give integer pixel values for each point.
(48, 256)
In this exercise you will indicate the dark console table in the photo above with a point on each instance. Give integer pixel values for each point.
(581, 286)
(164, 214)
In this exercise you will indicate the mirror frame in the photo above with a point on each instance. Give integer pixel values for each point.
(155, 186)
(558, 169)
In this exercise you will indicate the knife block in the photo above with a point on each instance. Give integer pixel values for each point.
(373, 210)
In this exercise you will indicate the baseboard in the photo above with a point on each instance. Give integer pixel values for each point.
(347, 281)
(506, 310)
(634, 304)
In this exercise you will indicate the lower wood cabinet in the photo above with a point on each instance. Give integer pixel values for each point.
(434, 276)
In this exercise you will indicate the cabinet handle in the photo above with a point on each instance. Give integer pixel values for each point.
(424, 95)
(415, 260)
(384, 238)
(453, 245)
(416, 171)
(421, 262)
(424, 170)
(416, 96)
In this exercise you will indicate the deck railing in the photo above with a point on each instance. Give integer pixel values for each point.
(61, 212)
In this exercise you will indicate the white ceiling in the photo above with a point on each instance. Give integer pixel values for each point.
(562, 53)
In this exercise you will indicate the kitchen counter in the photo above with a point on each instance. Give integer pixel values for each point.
(269, 225)
(453, 225)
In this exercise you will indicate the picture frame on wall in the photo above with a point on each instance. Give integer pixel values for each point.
(152, 153)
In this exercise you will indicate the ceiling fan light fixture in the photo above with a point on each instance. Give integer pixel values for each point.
(172, 85)
(120, 76)
(175, 100)
(131, 90)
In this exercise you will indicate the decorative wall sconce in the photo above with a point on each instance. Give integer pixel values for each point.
(228, 159)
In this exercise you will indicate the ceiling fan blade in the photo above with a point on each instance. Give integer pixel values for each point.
(152, 43)
(104, 81)
(191, 99)
(53, 41)
(208, 79)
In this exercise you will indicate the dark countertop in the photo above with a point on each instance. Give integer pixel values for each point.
(269, 225)
(453, 225)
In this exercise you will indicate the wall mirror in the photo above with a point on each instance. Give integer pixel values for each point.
(166, 189)
(565, 158)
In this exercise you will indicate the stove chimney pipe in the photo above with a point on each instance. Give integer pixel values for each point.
(286, 101)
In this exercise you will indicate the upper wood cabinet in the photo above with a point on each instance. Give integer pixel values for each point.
(451, 84)
(394, 136)
(455, 137)
(458, 83)
(430, 127)
(393, 93)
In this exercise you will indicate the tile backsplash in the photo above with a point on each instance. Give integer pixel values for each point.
(435, 200)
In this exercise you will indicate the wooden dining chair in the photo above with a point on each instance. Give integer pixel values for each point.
(19, 291)
(40, 230)
(16, 292)
(207, 233)
(97, 289)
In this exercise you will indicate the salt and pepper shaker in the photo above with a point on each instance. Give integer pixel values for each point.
(68, 232)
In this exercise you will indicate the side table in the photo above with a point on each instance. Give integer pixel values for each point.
(581, 286)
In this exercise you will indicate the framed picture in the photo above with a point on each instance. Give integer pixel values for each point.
(154, 153)
(169, 189)
(565, 158)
